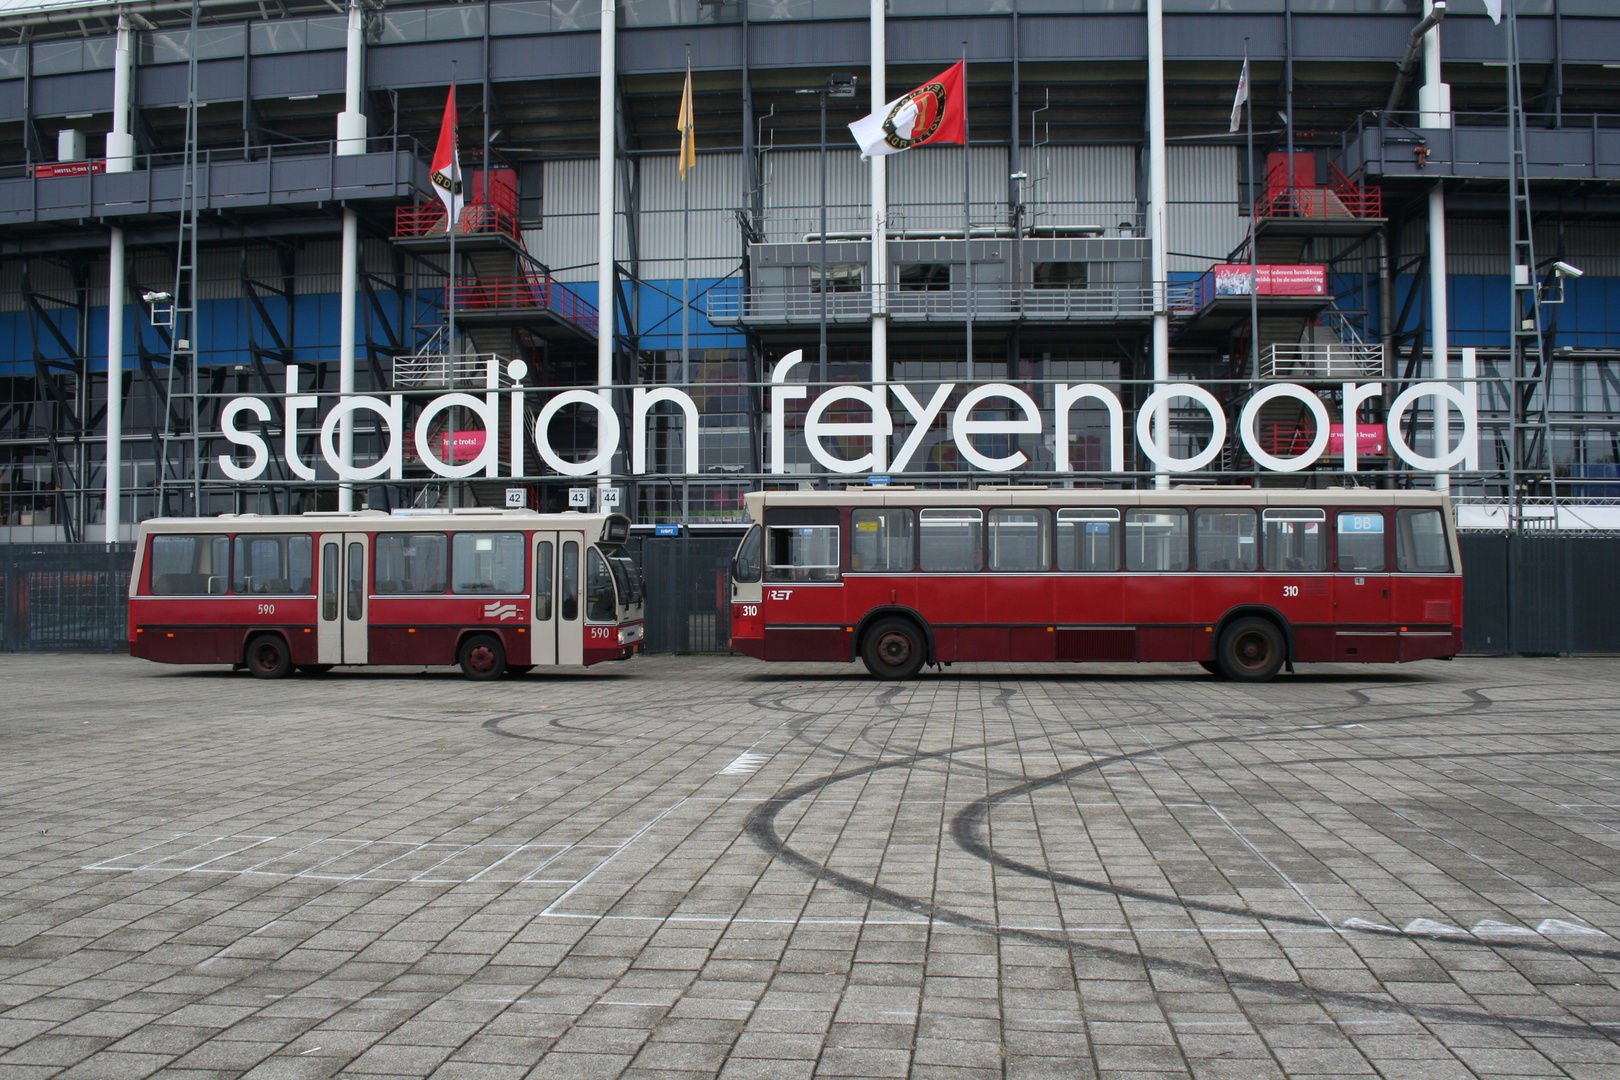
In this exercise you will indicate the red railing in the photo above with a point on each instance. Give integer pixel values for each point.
(478, 219)
(537, 292)
(1340, 198)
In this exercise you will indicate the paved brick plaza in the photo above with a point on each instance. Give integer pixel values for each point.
(687, 867)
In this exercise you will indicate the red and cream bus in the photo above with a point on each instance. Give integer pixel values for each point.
(1241, 580)
(491, 590)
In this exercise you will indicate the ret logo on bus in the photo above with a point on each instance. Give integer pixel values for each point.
(1004, 397)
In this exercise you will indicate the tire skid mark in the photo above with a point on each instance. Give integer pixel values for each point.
(965, 826)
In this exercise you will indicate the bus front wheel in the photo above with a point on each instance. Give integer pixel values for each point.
(482, 657)
(894, 649)
(1251, 650)
(267, 657)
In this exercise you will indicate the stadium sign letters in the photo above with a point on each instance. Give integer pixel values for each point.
(1017, 414)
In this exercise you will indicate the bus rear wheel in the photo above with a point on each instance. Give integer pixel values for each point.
(267, 656)
(1251, 650)
(482, 657)
(893, 649)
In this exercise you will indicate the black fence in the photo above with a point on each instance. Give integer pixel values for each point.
(688, 591)
(1540, 595)
(1529, 594)
(69, 597)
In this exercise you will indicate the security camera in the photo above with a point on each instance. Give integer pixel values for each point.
(159, 297)
(1563, 269)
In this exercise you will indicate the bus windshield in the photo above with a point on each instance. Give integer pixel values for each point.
(626, 575)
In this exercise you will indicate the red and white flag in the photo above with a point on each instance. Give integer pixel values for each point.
(935, 112)
(445, 172)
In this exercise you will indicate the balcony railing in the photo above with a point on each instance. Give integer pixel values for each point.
(432, 370)
(800, 304)
(1324, 361)
(480, 219)
(537, 293)
(1340, 199)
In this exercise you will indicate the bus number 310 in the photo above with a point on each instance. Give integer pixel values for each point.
(1290, 590)
(749, 611)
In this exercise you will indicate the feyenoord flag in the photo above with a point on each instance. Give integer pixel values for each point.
(445, 172)
(935, 112)
(1242, 96)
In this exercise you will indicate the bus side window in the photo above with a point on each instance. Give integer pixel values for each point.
(357, 582)
(1088, 539)
(570, 581)
(950, 539)
(801, 553)
(1224, 539)
(329, 582)
(191, 565)
(1020, 539)
(1156, 539)
(1420, 542)
(542, 581)
(880, 540)
(1361, 541)
(1295, 539)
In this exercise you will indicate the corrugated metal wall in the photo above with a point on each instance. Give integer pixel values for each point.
(1204, 221)
(1081, 185)
(715, 188)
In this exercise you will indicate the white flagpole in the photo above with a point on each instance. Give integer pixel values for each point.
(606, 154)
(686, 240)
(967, 215)
(880, 224)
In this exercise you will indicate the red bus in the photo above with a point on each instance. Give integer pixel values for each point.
(491, 590)
(1241, 580)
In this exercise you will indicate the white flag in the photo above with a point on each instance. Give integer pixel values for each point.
(1242, 96)
(1493, 8)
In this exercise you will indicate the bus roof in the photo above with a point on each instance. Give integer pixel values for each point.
(469, 519)
(1009, 495)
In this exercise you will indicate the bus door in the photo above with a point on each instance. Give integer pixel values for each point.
(343, 625)
(556, 630)
(1362, 631)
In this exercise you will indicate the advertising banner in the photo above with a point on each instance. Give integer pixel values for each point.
(1232, 279)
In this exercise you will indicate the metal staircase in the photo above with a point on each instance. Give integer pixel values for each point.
(182, 412)
(1530, 447)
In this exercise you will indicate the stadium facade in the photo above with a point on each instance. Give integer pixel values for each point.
(1409, 233)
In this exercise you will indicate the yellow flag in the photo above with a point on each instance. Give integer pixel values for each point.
(685, 127)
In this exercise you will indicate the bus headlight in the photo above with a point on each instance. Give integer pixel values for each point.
(629, 635)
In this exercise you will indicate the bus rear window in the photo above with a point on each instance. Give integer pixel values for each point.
(801, 553)
(1420, 542)
(190, 565)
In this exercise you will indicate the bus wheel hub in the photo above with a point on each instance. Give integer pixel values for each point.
(895, 649)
